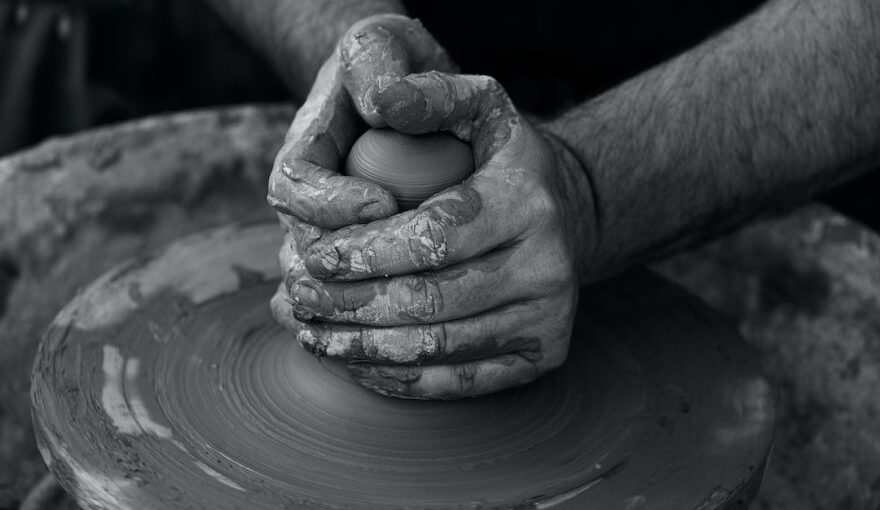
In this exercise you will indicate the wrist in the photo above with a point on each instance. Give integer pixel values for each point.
(581, 212)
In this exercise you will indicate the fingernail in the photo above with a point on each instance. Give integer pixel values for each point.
(306, 296)
(371, 212)
(323, 260)
(400, 98)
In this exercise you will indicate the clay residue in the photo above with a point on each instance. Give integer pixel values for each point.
(567, 495)
(136, 403)
(213, 473)
(112, 394)
(396, 301)
(458, 205)
(103, 304)
(121, 398)
(414, 238)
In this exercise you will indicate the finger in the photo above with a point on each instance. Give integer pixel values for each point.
(382, 48)
(474, 108)
(465, 289)
(468, 379)
(282, 309)
(305, 180)
(302, 234)
(323, 197)
(462, 222)
(511, 328)
(292, 267)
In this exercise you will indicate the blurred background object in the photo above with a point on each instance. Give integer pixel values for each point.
(69, 65)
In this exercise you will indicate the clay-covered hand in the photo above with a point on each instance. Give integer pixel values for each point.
(475, 290)
(307, 185)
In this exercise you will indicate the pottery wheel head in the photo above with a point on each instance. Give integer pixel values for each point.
(166, 384)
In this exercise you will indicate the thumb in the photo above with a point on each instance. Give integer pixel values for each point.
(384, 48)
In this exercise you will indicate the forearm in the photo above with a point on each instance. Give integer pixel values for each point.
(777, 108)
(298, 35)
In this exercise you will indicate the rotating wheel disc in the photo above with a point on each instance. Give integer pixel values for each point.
(166, 384)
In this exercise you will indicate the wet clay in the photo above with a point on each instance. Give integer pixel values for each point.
(166, 384)
(411, 167)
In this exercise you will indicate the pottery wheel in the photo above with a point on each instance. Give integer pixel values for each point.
(166, 384)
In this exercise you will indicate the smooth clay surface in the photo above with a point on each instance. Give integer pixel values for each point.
(412, 168)
(166, 384)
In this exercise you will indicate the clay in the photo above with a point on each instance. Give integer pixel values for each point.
(68, 214)
(411, 167)
(166, 384)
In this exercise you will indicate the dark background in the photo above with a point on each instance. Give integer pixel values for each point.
(142, 57)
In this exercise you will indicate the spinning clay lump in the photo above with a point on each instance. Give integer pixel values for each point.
(411, 167)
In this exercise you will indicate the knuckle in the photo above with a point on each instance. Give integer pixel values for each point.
(555, 343)
(434, 340)
(282, 311)
(428, 240)
(356, 303)
(539, 202)
(370, 31)
(465, 376)
(288, 223)
(289, 166)
(345, 300)
(304, 235)
(492, 85)
(342, 343)
(278, 188)
(407, 346)
(369, 345)
(554, 359)
(559, 276)
(376, 20)
(442, 80)
(289, 259)
(424, 301)
(542, 201)
(561, 283)
(494, 90)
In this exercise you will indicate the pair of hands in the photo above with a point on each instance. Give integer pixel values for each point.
(472, 292)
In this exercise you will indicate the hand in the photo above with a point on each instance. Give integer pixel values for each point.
(470, 293)
(306, 184)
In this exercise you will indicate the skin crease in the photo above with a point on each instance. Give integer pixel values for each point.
(777, 108)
